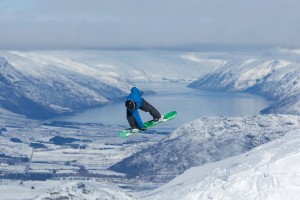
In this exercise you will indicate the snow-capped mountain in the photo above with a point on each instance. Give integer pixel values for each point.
(48, 83)
(278, 80)
(206, 140)
(51, 90)
(23, 95)
(270, 171)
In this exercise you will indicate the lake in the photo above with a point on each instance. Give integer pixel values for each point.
(189, 103)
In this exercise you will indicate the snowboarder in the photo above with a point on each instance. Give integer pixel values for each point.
(134, 102)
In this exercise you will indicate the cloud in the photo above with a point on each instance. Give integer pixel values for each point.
(59, 24)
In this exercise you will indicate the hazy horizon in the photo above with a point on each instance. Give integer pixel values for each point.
(138, 24)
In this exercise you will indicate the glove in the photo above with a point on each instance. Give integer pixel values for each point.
(143, 129)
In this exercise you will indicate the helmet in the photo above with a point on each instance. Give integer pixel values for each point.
(130, 104)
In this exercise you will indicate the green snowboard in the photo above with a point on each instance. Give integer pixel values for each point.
(125, 133)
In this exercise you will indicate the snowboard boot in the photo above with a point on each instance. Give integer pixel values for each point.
(158, 119)
(135, 130)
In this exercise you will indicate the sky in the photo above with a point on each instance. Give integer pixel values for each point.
(113, 24)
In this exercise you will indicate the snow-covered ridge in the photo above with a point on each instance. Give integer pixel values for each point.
(278, 80)
(128, 65)
(270, 171)
(206, 140)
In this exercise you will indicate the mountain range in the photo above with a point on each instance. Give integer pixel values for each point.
(207, 156)
(44, 84)
(278, 80)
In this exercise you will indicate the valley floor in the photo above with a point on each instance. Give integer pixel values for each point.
(49, 159)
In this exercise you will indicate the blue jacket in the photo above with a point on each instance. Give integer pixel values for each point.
(136, 96)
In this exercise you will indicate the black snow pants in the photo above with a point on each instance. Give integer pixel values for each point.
(144, 107)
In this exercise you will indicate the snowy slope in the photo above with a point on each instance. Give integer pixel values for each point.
(206, 140)
(269, 172)
(278, 80)
(41, 89)
(14, 90)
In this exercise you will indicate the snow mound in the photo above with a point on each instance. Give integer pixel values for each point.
(84, 191)
(206, 140)
(271, 171)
